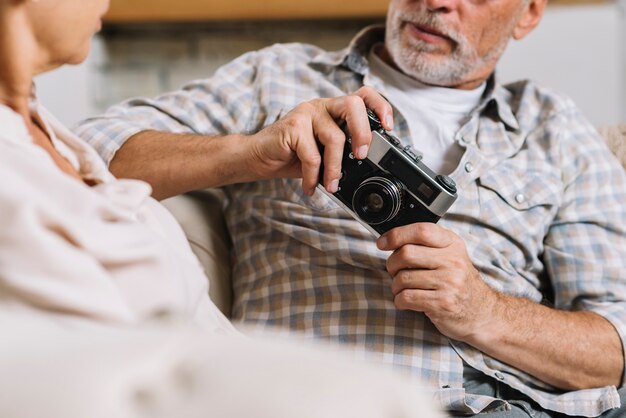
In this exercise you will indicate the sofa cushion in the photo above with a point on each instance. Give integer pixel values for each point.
(615, 137)
(200, 215)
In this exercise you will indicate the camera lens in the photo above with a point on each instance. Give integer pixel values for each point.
(374, 202)
(377, 200)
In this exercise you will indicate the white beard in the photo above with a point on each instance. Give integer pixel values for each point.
(442, 70)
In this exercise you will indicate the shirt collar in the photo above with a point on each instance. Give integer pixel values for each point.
(354, 57)
(500, 99)
(77, 152)
(496, 98)
(13, 126)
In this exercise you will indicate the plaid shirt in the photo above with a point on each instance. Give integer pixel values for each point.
(542, 210)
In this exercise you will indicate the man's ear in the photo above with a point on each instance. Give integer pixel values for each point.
(530, 18)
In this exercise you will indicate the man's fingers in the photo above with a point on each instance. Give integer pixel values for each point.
(333, 139)
(351, 109)
(422, 233)
(310, 161)
(413, 257)
(415, 279)
(415, 300)
(373, 100)
(324, 114)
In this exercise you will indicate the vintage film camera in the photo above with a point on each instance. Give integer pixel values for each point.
(392, 186)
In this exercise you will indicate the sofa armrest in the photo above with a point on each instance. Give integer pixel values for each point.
(200, 215)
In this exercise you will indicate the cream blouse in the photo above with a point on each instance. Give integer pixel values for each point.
(108, 252)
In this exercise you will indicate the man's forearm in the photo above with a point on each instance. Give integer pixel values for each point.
(288, 148)
(569, 350)
(177, 163)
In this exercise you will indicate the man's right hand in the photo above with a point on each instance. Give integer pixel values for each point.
(289, 147)
(177, 163)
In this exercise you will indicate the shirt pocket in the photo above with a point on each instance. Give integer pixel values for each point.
(291, 191)
(516, 210)
(521, 191)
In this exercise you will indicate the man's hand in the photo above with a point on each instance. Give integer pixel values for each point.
(289, 148)
(432, 273)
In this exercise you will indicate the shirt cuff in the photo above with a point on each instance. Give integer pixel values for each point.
(615, 313)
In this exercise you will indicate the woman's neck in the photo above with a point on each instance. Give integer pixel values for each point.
(17, 100)
(17, 68)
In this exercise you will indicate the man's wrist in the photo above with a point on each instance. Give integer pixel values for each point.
(489, 327)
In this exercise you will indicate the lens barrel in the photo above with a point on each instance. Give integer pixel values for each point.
(377, 199)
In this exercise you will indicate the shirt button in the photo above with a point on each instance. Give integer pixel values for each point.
(520, 198)
(469, 167)
(499, 376)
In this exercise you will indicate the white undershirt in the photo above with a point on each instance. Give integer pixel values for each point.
(433, 114)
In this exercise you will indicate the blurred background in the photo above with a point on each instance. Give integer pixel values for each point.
(150, 46)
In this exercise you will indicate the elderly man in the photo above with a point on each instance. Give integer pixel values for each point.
(514, 304)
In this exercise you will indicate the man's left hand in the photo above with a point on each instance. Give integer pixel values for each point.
(432, 273)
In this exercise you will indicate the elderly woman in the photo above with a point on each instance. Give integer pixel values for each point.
(78, 243)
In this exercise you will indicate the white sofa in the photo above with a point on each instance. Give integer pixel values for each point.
(200, 214)
(165, 370)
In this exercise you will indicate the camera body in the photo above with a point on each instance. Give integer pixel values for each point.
(392, 186)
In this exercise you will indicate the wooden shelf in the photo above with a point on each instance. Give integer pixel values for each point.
(577, 2)
(123, 11)
(138, 11)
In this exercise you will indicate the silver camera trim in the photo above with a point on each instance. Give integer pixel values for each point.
(379, 148)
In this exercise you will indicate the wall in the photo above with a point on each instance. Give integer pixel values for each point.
(579, 50)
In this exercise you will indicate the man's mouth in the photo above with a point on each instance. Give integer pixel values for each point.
(428, 33)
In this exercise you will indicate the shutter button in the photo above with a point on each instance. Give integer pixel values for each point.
(447, 183)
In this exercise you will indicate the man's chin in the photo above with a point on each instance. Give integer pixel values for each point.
(426, 64)
(419, 64)
(432, 74)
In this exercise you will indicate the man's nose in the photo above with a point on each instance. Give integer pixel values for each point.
(441, 6)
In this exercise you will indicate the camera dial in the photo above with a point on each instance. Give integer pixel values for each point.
(378, 199)
(375, 123)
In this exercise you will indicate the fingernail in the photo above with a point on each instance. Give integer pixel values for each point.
(362, 152)
(333, 186)
(382, 242)
(389, 120)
